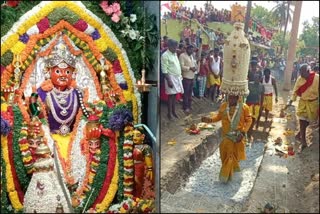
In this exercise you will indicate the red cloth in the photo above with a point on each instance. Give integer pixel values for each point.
(306, 85)
(204, 69)
(164, 96)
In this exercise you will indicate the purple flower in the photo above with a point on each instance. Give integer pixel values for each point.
(119, 118)
(123, 86)
(5, 127)
(24, 38)
(95, 35)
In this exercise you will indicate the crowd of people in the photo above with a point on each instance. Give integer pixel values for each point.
(187, 71)
(216, 39)
(209, 14)
(200, 73)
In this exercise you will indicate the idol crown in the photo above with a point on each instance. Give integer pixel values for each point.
(60, 54)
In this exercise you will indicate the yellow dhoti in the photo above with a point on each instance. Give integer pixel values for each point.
(308, 110)
(211, 80)
(230, 154)
(267, 102)
(254, 110)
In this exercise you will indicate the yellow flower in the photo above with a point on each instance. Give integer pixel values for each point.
(127, 147)
(4, 107)
(15, 200)
(127, 95)
(27, 159)
(13, 195)
(9, 43)
(18, 47)
(24, 147)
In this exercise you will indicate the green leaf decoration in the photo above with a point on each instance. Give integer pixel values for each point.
(7, 58)
(62, 13)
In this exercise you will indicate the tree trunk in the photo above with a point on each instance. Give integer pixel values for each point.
(285, 27)
(248, 11)
(292, 45)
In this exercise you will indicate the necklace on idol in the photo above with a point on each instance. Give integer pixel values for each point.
(61, 100)
(65, 123)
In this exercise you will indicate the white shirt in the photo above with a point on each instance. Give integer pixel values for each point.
(215, 65)
(268, 87)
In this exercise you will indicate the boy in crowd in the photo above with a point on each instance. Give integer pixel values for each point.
(269, 84)
(254, 100)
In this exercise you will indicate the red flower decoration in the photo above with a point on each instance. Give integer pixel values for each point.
(43, 25)
(81, 25)
(116, 67)
(2, 69)
(12, 3)
(125, 206)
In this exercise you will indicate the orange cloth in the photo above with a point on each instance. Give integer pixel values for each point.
(231, 153)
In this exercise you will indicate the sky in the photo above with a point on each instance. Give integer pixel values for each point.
(309, 8)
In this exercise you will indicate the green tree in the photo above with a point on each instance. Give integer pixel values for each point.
(282, 13)
(264, 16)
(310, 37)
(277, 41)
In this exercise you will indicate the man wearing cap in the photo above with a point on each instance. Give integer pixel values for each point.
(188, 68)
(307, 88)
(172, 74)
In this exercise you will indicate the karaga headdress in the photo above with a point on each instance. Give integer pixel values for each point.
(236, 62)
(60, 56)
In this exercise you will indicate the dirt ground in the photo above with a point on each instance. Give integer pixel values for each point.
(289, 184)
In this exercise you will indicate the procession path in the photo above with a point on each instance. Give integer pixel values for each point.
(289, 184)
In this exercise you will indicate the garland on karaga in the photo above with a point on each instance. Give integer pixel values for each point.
(114, 32)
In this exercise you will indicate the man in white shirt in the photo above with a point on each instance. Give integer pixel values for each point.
(172, 74)
(188, 67)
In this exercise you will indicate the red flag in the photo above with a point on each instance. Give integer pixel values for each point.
(166, 5)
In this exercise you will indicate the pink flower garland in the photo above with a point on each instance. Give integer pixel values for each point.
(43, 25)
(81, 25)
(113, 10)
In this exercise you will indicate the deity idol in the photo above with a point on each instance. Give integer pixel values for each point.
(62, 99)
(142, 156)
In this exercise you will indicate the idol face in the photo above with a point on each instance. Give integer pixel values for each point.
(61, 76)
(94, 145)
(138, 137)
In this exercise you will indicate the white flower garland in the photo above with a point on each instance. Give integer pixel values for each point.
(120, 78)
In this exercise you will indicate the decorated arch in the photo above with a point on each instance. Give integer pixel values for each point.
(92, 148)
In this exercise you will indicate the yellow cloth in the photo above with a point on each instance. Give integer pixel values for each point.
(311, 93)
(231, 153)
(211, 80)
(308, 110)
(62, 144)
(267, 102)
(254, 110)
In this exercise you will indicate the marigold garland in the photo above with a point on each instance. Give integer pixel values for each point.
(13, 194)
(113, 186)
